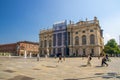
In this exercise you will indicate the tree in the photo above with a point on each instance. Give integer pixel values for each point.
(112, 48)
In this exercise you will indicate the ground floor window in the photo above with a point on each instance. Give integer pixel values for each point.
(59, 50)
(84, 52)
(92, 52)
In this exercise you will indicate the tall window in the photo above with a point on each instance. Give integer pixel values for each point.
(64, 51)
(92, 51)
(92, 39)
(59, 35)
(76, 54)
(68, 38)
(54, 51)
(45, 43)
(45, 52)
(41, 44)
(59, 50)
(83, 40)
(50, 43)
(54, 39)
(76, 40)
(84, 52)
(65, 38)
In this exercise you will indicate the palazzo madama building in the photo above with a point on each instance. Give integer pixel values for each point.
(78, 39)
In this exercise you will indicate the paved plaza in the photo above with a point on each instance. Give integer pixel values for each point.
(19, 68)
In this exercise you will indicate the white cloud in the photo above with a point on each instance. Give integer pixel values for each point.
(107, 37)
(110, 25)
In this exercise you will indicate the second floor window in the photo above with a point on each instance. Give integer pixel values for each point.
(92, 39)
(50, 43)
(76, 40)
(83, 40)
(59, 35)
(45, 43)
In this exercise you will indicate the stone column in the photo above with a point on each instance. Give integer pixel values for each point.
(30, 54)
(38, 57)
(98, 51)
(47, 52)
(9, 55)
(25, 54)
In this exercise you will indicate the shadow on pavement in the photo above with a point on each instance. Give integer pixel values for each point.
(83, 78)
(99, 73)
(36, 69)
(83, 66)
(107, 76)
(98, 66)
(51, 66)
(10, 71)
(111, 75)
(21, 77)
(70, 79)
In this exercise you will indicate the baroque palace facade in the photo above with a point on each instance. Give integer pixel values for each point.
(78, 39)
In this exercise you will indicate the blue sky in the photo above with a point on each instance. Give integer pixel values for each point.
(22, 19)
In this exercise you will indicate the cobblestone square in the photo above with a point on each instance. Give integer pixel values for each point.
(19, 68)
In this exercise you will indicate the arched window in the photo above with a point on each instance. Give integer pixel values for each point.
(92, 39)
(83, 40)
(76, 40)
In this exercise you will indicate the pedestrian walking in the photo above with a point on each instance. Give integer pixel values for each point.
(60, 57)
(104, 60)
(89, 60)
(55, 56)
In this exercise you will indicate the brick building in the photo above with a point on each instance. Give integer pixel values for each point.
(20, 48)
(6, 49)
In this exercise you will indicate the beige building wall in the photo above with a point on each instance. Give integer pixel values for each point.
(79, 29)
(46, 35)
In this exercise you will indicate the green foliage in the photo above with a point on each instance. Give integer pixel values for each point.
(111, 47)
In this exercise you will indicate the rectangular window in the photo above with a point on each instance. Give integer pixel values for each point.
(84, 52)
(54, 39)
(76, 32)
(65, 38)
(83, 31)
(64, 51)
(59, 50)
(91, 30)
(68, 38)
(59, 35)
(41, 44)
(45, 43)
(54, 52)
